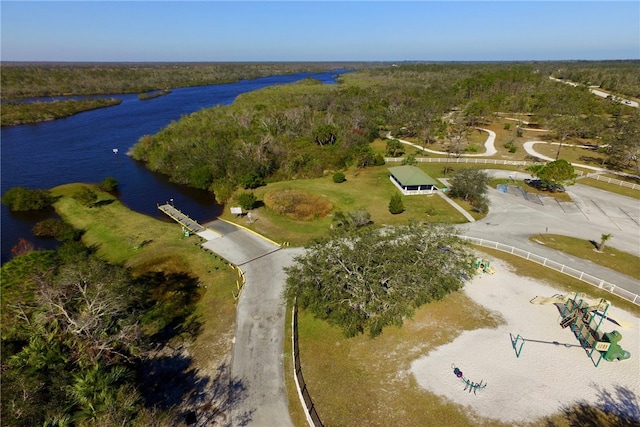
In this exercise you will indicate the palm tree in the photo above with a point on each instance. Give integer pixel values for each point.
(603, 240)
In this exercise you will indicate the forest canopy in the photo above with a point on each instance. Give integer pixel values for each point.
(307, 129)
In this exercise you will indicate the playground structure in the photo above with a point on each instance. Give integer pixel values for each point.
(584, 317)
(483, 266)
(469, 385)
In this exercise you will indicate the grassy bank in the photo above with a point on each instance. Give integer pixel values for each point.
(144, 244)
(612, 258)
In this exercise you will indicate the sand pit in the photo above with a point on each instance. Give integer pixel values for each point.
(548, 376)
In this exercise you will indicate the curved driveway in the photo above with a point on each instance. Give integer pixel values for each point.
(258, 395)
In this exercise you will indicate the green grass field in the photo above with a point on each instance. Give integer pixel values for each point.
(368, 189)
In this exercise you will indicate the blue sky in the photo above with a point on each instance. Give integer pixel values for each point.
(318, 31)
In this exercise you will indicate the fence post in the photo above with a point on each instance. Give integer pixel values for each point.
(489, 243)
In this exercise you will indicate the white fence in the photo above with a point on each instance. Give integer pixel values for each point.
(614, 181)
(577, 274)
(472, 160)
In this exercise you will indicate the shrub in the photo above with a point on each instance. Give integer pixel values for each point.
(109, 184)
(395, 204)
(378, 160)
(54, 227)
(222, 190)
(352, 220)
(297, 204)
(394, 148)
(86, 197)
(470, 185)
(249, 181)
(339, 177)
(511, 147)
(409, 160)
(507, 126)
(24, 199)
(247, 200)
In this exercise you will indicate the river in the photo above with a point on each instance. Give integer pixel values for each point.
(80, 148)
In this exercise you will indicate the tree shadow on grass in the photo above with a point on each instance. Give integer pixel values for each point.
(168, 377)
(619, 407)
(171, 383)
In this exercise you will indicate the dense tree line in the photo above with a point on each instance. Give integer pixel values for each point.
(306, 129)
(622, 77)
(23, 80)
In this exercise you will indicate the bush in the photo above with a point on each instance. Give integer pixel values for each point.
(394, 148)
(54, 227)
(409, 160)
(86, 197)
(250, 181)
(247, 200)
(511, 147)
(24, 199)
(352, 220)
(297, 204)
(507, 126)
(109, 184)
(395, 204)
(379, 160)
(339, 177)
(222, 190)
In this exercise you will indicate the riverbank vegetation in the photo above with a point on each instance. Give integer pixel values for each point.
(154, 94)
(121, 333)
(20, 113)
(25, 199)
(307, 129)
(30, 80)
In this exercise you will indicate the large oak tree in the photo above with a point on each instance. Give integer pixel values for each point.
(373, 278)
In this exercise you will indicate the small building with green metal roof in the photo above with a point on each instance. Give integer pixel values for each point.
(411, 180)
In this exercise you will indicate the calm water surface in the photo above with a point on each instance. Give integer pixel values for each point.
(80, 149)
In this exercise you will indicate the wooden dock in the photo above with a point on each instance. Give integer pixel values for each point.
(182, 219)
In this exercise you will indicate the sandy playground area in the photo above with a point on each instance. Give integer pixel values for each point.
(548, 376)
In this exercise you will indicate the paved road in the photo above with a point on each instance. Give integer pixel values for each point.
(259, 396)
(512, 219)
(489, 145)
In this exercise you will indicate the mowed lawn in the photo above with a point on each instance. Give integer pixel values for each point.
(368, 189)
